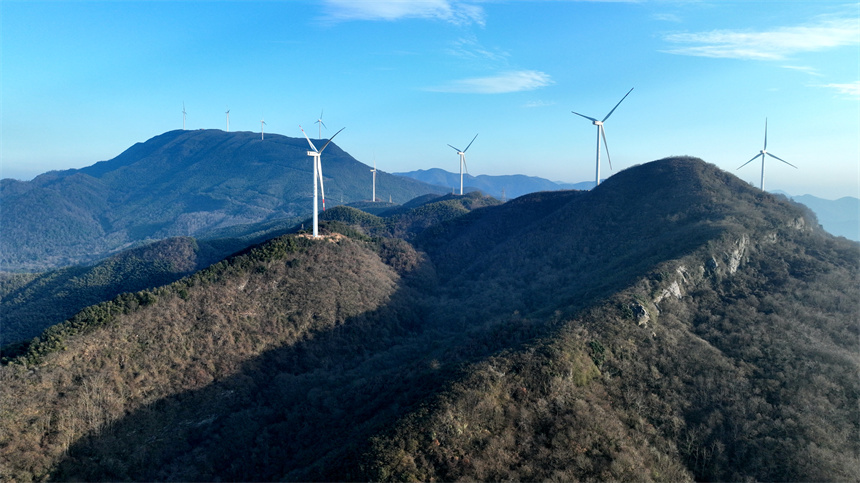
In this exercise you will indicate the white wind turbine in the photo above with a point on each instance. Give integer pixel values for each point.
(262, 134)
(183, 115)
(374, 180)
(763, 153)
(462, 154)
(228, 119)
(602, 132)
(318, 174)
(321, 125)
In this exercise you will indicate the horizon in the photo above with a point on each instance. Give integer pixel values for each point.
(83, 81)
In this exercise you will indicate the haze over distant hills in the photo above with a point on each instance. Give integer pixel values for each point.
(840, 217)
(672, 324)
(180, 183)
(511, 186)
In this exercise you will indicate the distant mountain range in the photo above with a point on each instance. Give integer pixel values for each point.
(672, 324)
(180, 183)
(507, 186)
(840, 217)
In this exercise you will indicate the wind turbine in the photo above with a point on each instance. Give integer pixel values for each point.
(183, 115)
(262, 134)
(374, 180)
(321, 124)
(318, 173)
(763, 153)
(228, 119)
(462, 154)
(602, 132)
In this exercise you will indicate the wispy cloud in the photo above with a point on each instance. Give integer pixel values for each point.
(513, 81)
(455, 12)
(804, 68)
(851, 89)
(470, 49)
(775, 44)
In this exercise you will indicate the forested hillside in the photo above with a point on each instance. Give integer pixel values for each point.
(673, 323)
(180, 183)
(30, 303)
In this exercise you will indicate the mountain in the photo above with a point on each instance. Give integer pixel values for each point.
(511, 186)
(673, 323)
(180, 183)
(840, 217)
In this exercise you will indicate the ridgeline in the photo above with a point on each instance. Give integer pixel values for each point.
(672, 324)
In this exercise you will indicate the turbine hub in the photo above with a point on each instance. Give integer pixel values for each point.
(597, 123)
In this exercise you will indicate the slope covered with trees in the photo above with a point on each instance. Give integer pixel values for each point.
(673, 323)
(30, 303)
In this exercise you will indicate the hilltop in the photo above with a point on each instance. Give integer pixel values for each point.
(673, 323)
(180, 183)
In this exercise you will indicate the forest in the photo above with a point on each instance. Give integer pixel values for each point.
(672, 324)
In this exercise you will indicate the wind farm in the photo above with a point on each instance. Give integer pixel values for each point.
(178, 303)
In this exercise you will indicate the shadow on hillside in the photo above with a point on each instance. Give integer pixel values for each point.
(298, 412)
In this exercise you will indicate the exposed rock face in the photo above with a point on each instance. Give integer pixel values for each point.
(640, 314)
(734, 257)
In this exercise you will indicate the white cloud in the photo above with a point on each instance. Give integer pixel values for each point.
(514, 81)
(775, 44)
(850, 90)
(450, 11)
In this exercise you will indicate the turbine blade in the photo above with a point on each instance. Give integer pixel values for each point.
(455, 149)
(751, 160)
(583, 115)
(765, 134)
(309, 140)
(470, 143)
(605, 145)
(616, 105)
(784, 161)
(329, 139)
(465, 167)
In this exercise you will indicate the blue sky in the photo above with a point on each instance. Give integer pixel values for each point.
(82, 81)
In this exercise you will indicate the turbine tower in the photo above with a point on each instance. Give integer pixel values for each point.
(373, 199)
(763, 153)
(314, 153)
(183, 115)
(262, 134)
(602, 132)
(462, 154)
(228, 119)
(321, 125)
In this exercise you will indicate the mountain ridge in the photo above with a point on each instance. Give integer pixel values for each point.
(707, 334)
